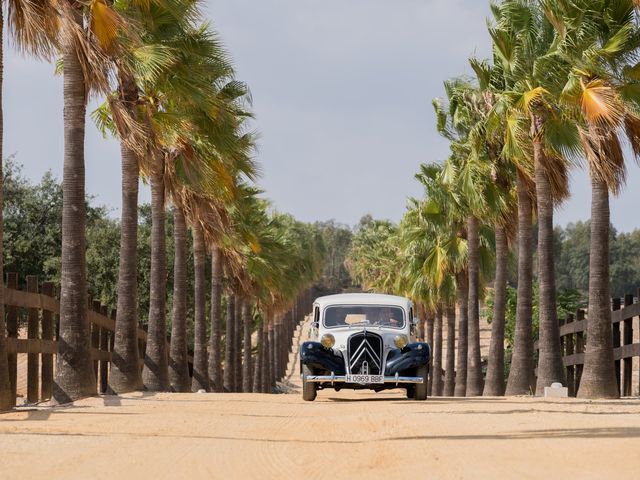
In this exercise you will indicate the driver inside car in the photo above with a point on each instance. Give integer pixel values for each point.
(385, 317)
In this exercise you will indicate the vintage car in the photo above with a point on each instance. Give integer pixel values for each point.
(364, 341)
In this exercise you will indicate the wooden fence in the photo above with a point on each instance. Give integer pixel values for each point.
(573, 330)
(41, 306)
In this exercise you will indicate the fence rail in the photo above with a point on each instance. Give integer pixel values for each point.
(40, 305)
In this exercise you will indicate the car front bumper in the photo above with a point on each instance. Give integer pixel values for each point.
(397, 379)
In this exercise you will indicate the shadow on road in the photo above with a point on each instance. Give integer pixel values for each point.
(577, 433)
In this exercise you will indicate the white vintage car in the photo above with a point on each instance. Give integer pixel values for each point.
(364, 341)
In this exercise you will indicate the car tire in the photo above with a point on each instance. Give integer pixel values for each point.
(420, 391)
(309, 389)
(411, 392)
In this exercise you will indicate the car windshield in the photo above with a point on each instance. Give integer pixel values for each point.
(377, 315)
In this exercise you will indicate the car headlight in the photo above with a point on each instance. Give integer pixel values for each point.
(401, 341)
(328, 340)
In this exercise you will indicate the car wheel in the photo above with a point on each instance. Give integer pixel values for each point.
(421, 388)
(309, 390)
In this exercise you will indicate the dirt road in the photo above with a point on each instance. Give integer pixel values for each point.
(340, 435)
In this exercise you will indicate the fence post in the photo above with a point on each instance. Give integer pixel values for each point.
(568, 345)
(12, 332)
(636, 339)
(57, 316)
(627, 339)
(616, 339)
(579, 348)
(47, 334)
(104, 347)
(33, 359)
(561, 322)
(112, 339)
(95, 336)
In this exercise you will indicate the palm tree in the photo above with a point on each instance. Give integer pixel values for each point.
(542, 136)
(435, 251)
(463, 331)
(155, 374)
(600, 95)
(188, 135)
(270, 371)
(86, 68)
(449, 377)
(124, 374)
(229, 355)
(237, 340)
(200, 373)
(259, 363)
(437, 355)
(520, 37)
(433, 234)
(215, 365)
(141, 63)
(521, 376)
(490, 131)
(430, 327)
(494, 384)
(178, 364)
(468, 171)
(247, 317)
(474, 367)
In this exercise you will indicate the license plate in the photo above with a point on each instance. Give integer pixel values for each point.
(365, 379)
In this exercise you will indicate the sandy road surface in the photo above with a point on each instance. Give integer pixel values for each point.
(340, 435)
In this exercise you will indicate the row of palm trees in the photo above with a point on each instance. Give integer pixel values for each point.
(172, 100)
(562, 87)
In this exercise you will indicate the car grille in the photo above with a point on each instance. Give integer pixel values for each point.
(365, 353)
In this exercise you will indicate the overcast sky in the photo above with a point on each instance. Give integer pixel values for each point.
(342, 93)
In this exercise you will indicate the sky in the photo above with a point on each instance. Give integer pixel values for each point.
(342, 93)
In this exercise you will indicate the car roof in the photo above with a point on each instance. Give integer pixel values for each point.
(363, 299)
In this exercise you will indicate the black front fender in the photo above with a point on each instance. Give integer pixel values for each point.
(320, 359)
(410, 357)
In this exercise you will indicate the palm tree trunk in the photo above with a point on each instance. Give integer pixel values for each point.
(215, 365)
(420, 327)
(462, 284)
(550, 367)
(259, 363)
(200, 379)
(237, 349)
(437, 355)
(429, 323)
(450, 372)
(598, 376)
(266, 363)
(75, 377)
(228, 344)
(178, 363)
(7, 400)
(247, 378)
(474, 365)
(124, 374)
(277, 348)
(155, 373)
(521, 378)
(273, 353)
(494, 386)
